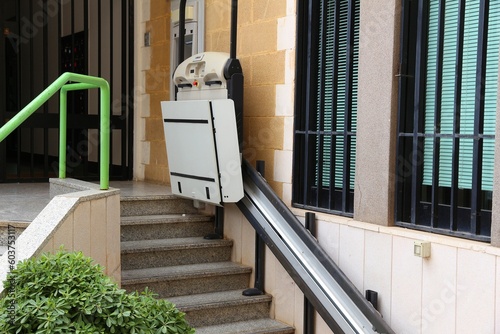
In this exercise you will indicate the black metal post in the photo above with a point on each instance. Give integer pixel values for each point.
(234, 74)
(372, 297)
(131, 85)
(219, 225)
(182, 28)
(234, 29)
(260, 248)
(309, 325)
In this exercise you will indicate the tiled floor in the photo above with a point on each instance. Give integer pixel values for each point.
(24, 201)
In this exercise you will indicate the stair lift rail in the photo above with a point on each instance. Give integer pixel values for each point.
(78, 82)
(335, 298)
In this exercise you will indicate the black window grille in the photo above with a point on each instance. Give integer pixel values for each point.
(326, 112)
(447, 112)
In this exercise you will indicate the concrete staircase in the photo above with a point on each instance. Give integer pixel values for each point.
(163, 249)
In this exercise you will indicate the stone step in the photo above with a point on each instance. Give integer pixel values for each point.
(188, 279)
(155, 205)
(214, 308)
(257, 326)
(165, 226)
(143, 254)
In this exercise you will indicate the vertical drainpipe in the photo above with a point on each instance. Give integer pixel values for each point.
(182, 29)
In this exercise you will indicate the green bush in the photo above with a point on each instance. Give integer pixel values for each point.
(66, 293)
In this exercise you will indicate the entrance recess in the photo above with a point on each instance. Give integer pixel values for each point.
(41, 39)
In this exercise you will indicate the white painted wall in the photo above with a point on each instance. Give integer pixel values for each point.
(455, 290)
(452, 291)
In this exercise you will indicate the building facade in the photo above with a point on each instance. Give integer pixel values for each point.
(380, 117)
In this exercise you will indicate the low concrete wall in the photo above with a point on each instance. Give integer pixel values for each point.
(80, 217)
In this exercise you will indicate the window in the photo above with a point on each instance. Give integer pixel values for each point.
(325, 120)
(447, 113)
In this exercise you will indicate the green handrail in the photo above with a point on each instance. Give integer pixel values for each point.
(81, 82)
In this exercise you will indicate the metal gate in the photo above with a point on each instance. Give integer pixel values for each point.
(40, 40)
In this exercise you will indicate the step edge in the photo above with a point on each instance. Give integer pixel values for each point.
(212, 272)
(171, 247)
(165, 219)
(151, 197)
(279, 327)
(253, 300)
(21, 224)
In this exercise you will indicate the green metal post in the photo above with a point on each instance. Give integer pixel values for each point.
(63, 101)
(63, 117)
(105, 126)
(105, 135)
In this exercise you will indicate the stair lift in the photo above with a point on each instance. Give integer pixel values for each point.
(203, 134)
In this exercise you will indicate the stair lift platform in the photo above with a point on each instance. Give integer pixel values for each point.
(201, 133)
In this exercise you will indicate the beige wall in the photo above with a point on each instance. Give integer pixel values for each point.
(268, 87)
(93, 227)
(142, 99)
(264, 69)
(155, 82)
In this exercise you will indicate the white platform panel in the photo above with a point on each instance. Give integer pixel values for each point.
(202, 150)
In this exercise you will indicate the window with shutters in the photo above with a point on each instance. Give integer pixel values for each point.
(326, 112)
(447, 114)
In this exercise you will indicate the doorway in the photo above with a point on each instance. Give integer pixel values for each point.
(41, 40)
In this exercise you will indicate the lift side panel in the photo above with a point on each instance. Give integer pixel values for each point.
(189, 137)
(228, 152)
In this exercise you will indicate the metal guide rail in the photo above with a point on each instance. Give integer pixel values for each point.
(335, 298)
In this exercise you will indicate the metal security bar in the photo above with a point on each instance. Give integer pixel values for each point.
(447, 108)
(326, 113)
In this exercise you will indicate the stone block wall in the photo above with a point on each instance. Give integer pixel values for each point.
(265, 56)
(157, 86)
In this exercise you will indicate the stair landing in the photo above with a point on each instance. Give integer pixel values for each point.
(131, 189)
(22, 202)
